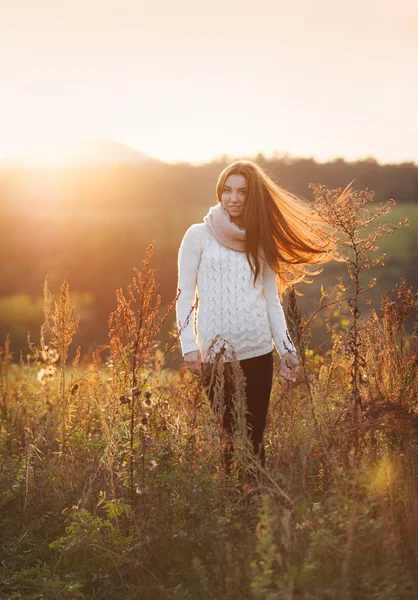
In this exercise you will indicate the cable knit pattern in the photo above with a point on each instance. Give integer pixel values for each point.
(243, 317)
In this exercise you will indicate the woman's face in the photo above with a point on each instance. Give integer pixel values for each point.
(233, 198)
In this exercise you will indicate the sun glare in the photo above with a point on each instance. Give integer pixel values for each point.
(48, 154)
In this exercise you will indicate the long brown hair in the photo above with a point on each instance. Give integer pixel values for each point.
(283, 226)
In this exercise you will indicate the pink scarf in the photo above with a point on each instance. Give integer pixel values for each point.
(225, 231)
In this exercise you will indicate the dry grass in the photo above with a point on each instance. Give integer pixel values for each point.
(112, 483)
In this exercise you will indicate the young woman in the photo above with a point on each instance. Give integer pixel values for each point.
(232, 271)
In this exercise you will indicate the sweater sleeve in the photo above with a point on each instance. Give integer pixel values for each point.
(282, 340)
(188, 263)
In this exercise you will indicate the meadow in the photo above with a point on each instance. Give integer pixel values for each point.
(111, 479)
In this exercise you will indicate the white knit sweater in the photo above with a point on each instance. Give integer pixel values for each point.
(246, 318)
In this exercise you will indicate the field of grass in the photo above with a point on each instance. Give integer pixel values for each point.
(112, 486)
(402, 244)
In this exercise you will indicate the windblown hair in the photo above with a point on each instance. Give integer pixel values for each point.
(281, 228)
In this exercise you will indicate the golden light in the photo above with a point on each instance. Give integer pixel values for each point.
(54, 152)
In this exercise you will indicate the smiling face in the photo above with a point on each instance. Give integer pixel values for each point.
(233, 198)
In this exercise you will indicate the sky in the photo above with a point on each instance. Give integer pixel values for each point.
(185, 80)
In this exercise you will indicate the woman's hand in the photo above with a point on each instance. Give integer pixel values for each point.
(193, 361)
(289, 366)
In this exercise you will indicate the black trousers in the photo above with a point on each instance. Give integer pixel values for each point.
(258, 374)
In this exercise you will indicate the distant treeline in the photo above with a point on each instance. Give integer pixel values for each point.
(91, 225)
(154, 186)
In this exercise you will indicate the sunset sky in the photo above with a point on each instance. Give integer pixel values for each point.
(190, 80)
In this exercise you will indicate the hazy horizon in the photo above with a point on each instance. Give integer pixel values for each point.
(89, 156)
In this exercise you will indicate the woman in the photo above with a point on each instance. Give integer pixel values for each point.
(250, 247)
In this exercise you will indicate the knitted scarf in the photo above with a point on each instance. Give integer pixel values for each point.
(224, 230)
